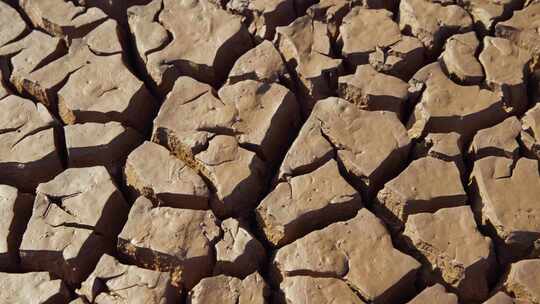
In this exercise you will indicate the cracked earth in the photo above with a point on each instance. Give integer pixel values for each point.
(269, 151)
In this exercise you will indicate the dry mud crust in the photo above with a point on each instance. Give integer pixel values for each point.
(179, 241)
(269, 151)
(186, 38)
(370, 264)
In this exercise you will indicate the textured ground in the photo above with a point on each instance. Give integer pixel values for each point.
(269, 151)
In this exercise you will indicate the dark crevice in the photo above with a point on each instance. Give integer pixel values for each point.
(6, 69)
(28, 134)
(59, 202)
(61, 148)
(136, 64)
(356, 292)
(57, 54)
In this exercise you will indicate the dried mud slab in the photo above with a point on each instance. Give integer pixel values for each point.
(75, 218)
(28, 154)
(372, 146)
(444, 146)
(374, 91)
(257, 114)
(264, 16)
(402, 59)
(113, 282)
(453, 250)
(262, 63)
(530, 134)
(114, 9)
(307, 289)
(229, 139)
(459, 58)
(4, 89)
(505, 193)
(486, 14)
(86, 82)
(12, 25)
(265, 115)
(332, 13)
(151, 170)
(523, 281)
(435, 294)
(238, 253)
(51, 244)
(506, 67)
(432, 22)
(522, 29)
(305, 46)
(85, 197)
(186, 38)
(444, 106)
(358, 251)
(85, 87)
(363, 30)
(237, 176)
(307, 202)
(25, 55)
(99, 144)
(426, 185)
(230, 290)
(32, 288)
(16, 209)
(179, 241)
(62, 18)
(500, 298)
(499, 140)
(104, 90)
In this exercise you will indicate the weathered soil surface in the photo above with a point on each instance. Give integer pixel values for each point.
(269, 151)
